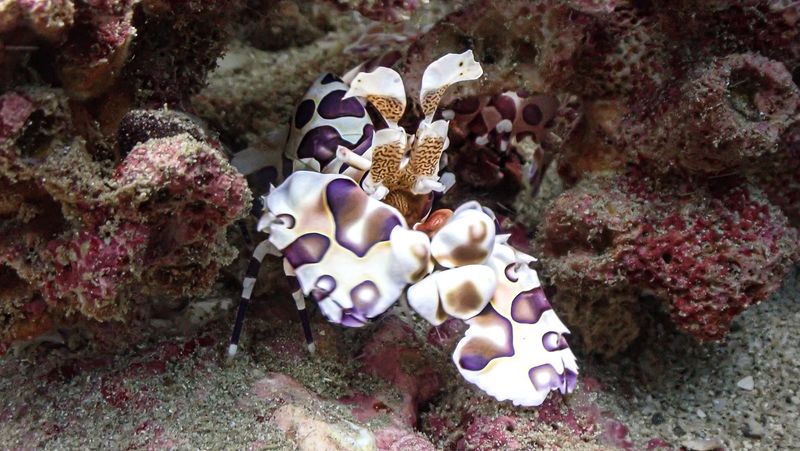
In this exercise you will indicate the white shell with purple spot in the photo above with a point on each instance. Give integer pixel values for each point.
(323, 121)
(461, 293)
(467, 238)
(337, 242)
(463, 289)
(515, 349)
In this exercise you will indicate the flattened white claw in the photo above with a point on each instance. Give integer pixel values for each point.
(440, 74)
(423, 297)
(468, 238)
(515, 349)
(384, 89)
(461, 292)
(412, 251)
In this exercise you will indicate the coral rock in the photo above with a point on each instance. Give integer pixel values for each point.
(97, 48)
(49, 19)
(137, 126)
(736, 107)
(779, 174)
(538, 50)
(706, 250)
(390, 356)
(76, 239)
(383, 10)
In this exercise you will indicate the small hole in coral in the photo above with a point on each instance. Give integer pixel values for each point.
(744, 88)
(667, 257)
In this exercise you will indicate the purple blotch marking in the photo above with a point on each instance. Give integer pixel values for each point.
(320, 143)
(511, 272)
(325, 283)
(309, 248)
(323, 287)
(528, 306)
(352, 318)
(532, 114)
(571, 380)
(466, 105)
(303, 113)
(553, 341)
(545, 377)
(287, 220)
(478, 352)
(365, 295)
(505, 106)
(330, 78)
(333, 107)
(365, 142)
(347, 203)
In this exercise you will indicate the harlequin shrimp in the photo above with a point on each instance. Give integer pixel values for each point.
(356, 231)
(491, 128)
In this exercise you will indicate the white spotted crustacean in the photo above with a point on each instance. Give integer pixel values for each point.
(354, 227)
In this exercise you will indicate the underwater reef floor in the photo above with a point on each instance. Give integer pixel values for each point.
(390, 387)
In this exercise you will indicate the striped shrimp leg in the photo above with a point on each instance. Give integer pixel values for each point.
(249, 282)
(300, 303)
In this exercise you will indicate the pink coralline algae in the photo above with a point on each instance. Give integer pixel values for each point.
(77, 238)
(577, 423)
(102, 200)
(706, 250)
(407, 370)
(734, 108)
(779, 174)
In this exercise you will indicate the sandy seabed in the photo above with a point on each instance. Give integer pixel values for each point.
(178, 391)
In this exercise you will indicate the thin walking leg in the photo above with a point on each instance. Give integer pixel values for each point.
(245, 234)
(247, 290)
(300, 303)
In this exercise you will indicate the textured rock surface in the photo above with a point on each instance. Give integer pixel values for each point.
(706, 250)
(80, 238)
(95, 211)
